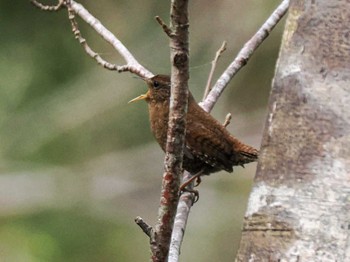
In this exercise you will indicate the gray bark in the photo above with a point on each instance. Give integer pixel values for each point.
(299, 208)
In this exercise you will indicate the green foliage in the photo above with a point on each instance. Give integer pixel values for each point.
(67, 235)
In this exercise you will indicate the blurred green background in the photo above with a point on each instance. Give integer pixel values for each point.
(78, 163)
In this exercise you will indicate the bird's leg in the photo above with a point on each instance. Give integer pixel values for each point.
(183, 187)
(191, 191)
(195, 177)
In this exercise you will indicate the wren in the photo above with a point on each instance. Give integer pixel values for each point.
(209, 147)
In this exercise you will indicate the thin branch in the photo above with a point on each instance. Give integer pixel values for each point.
(213, 66)
(48, 7)
(132, 65)
(165, 27)
(244, 55)
(110, 38)
(179, 55)
(182, 213)
(147, 229)
(85, 45)
(227, 120)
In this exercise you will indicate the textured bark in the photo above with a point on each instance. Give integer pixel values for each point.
(299, 209)
(160, 241)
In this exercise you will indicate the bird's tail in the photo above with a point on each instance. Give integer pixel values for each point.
(247, 154)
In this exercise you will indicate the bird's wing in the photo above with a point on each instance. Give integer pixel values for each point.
(208, 142)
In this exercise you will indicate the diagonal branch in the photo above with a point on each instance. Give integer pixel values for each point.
(165, 27)
(147, 229)
(183, 210)
(87, 48)
(110, 38)
(74, 8)
(244, 55)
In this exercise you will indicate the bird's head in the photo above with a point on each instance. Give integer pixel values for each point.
(158, 90)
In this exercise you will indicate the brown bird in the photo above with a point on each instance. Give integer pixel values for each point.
(209, 147)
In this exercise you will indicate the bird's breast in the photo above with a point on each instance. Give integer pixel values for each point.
(159, 115)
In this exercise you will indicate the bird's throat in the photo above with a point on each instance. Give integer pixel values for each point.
(159, 116)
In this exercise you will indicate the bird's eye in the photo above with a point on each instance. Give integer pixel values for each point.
(156, 84)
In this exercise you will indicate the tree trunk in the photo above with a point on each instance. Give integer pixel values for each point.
(299, 208)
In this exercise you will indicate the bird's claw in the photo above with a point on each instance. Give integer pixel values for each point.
(194, 192)
(198, 181)
(185, 186)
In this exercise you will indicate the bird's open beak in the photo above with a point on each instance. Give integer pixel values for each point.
(141, 97)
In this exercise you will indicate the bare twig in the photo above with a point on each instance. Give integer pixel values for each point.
(132, 65)
(227, 120)
(176, 131)
(213, 66)
(165, 27)
(147, 229)
(85, 45)
(183, 210)
(48, 7)
(244, 55)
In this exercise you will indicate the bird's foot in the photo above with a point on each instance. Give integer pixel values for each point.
(194, 192)
(185, 186)
(196, 177)
(198, 181)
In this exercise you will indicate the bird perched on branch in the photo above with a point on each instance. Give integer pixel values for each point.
(209, 147)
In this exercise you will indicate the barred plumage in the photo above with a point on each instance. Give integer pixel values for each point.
(209, 146)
